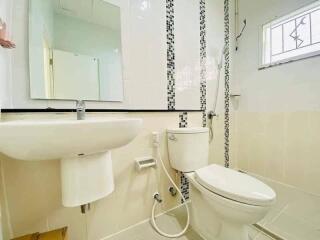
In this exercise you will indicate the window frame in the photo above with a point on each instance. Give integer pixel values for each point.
(278, 20)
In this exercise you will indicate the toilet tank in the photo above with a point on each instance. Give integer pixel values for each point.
(188, 148)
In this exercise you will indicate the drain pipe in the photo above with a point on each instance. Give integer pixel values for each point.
(85, 208)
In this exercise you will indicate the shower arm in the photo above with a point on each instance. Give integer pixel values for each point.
(240, 34)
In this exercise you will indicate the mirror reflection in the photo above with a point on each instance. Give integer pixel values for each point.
(75, 50)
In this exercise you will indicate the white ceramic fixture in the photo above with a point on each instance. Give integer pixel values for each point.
(235, 198)
(83, 147)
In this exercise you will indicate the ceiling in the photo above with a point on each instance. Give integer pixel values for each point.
(94, 11)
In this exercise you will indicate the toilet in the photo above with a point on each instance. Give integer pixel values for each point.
(236, 199)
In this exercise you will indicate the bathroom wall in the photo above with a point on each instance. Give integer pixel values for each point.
(215, 45)
(5, 71)
(32, 189)
(33, 195)
(278, 114)
(187, 33)
(144, 57)
(5, 55)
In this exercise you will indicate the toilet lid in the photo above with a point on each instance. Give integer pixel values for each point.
(234, 185)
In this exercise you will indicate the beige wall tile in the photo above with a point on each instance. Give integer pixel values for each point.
(281, 146)
(34, 194)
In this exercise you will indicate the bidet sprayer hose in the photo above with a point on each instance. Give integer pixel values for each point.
(153, 221)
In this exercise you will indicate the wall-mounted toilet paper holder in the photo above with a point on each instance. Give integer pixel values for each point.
(145, 162)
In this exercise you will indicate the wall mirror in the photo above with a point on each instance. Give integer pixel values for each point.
(75, 50)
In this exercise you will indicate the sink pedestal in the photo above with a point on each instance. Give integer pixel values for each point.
(85, 179)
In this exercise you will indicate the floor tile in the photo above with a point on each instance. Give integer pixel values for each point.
(171, 223)
(295, 216)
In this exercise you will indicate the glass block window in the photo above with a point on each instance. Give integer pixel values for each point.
(292, 37)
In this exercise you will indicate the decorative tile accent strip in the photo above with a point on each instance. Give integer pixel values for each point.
(171, 71)
(183, 123)
(171, 68)
(203, 62)
(184, 187)
(227, 83)
(184, 182)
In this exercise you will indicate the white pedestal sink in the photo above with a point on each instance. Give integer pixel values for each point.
(83, 147)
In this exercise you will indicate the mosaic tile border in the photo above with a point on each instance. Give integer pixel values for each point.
(227, 84)
(184, 182)
(183, 120)
(171, 67)
(184, 187)
(171, 72)
(203, 62)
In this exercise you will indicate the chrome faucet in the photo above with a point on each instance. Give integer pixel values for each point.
(81, 110)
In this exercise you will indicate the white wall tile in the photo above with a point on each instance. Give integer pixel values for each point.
(187, 50)
(277, 119)
(290, 87)
(144, 59)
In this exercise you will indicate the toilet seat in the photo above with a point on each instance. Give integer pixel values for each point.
(235, 186)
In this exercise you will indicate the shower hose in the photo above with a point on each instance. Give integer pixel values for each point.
(153, 221)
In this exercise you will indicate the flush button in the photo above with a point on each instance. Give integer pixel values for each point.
(172, 137)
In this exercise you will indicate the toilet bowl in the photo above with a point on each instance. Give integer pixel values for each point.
(237, 199)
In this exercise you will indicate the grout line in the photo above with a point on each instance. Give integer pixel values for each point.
(274, 218)
(139, 223)
(291, 187)
(267, 232)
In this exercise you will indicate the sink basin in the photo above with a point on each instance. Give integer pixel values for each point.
(56, 139)
(82, 146)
